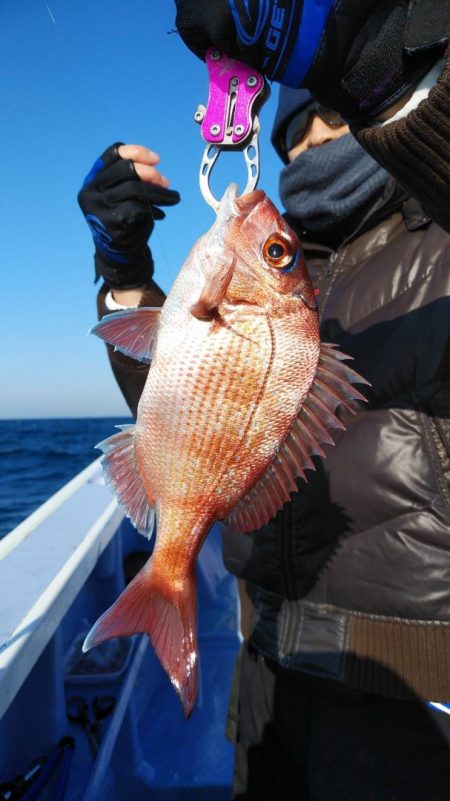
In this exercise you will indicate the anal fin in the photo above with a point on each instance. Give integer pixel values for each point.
(122, 473)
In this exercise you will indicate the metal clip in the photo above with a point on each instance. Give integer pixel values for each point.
(230, 121)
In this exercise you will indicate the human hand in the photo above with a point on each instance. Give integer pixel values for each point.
(350, 55)
(262, 40)
(120, 199)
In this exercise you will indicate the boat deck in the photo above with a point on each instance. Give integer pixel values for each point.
(59, 570)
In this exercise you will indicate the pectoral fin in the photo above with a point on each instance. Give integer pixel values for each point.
(132, 331)
(221, 270)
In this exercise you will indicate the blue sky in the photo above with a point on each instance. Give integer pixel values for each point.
(75, 76)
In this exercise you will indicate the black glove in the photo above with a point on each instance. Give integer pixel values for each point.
(260, 34)
(120, 210)
(356, 58)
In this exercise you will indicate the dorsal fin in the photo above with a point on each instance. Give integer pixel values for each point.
(332, 386)
(132, 331)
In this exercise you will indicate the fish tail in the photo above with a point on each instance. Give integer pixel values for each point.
(167, 616)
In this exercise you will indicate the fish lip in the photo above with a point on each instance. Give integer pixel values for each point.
(247, 203)
(234, 205)
(216, 241)
(231, 207)
(228, 207)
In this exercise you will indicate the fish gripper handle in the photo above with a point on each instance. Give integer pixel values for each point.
(234, 88)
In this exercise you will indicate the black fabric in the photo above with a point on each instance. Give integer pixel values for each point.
(362, 66)
(303, 739)
(381, 40)
(427, 24)
(263, 37)
(120, 210)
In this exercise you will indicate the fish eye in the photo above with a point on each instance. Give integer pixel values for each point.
(279, 252)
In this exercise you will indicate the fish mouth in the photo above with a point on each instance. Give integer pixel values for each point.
(247, 203)
(234, 205)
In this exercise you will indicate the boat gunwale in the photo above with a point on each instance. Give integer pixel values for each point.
(28, 639)
(27, 526)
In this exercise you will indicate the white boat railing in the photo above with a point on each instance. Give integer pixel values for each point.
(44, 563)
(8, 543)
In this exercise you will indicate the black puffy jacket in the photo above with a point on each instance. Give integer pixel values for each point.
(356, 570)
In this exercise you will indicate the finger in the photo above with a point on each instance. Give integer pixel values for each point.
(160, 196)
(139, 192)
(150, 175)
(125, 170)
(122, 170)
(139, 153)
(111, 154)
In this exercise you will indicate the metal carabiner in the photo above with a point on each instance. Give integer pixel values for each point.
(230, 121)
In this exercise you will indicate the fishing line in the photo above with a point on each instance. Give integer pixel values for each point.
(67, 51)
(156, 232)
(49, 13)
(163, 252)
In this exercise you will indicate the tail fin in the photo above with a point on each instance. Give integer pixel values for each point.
(168, 617)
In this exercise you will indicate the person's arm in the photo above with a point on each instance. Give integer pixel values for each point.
(120, 200)
(364, 60)
(130, 374)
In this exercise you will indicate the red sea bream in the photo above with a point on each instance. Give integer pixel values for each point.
(240, 393)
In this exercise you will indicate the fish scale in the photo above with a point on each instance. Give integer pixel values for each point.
(211, 429)
(240, 395)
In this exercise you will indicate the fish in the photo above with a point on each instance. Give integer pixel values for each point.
(240, 395)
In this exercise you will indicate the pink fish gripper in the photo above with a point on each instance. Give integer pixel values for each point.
(230, 120)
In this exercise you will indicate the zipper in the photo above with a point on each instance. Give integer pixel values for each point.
(331, 259)
(328, 277)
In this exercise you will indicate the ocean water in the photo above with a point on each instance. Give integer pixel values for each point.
(37, 457)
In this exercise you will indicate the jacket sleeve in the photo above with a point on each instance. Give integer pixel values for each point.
(130, 374)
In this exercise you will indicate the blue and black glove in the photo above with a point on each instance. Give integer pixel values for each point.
(355, 57)
(259, 32)
(121, 210)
